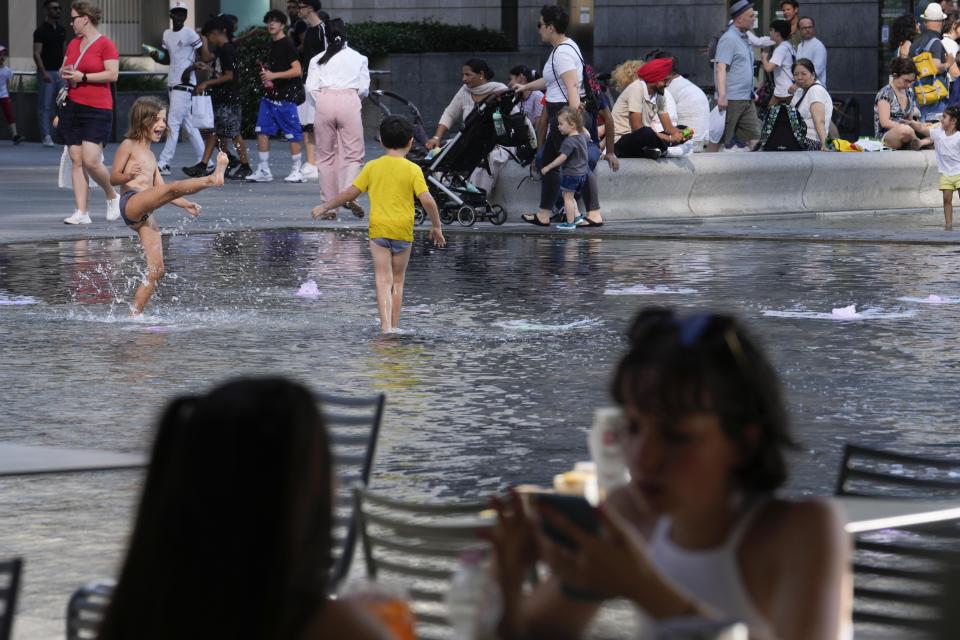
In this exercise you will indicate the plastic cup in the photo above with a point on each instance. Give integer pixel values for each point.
(386, 602)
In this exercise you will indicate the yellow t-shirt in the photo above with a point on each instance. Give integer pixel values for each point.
(393, 184)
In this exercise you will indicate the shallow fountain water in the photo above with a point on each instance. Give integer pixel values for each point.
(506, 348)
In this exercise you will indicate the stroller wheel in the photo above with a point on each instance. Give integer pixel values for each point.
(499, 215)
(447, 216)
(419, 215)
(466, 216)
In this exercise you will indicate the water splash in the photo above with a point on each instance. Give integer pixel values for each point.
(642, 290)
(841, 314)
(12, 300)
(931, 299)
(530, 325)
(308, 290)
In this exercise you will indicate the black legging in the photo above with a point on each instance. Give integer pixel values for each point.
(632, 144)
(550, 183)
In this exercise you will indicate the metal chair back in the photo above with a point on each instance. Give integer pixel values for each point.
(10, 571)
(354, 427)
(86, 609)
(871, 472)
(419, 545)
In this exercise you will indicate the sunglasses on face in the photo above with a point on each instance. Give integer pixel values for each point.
(72, 18)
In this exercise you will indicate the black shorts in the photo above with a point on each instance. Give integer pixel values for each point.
(80, 123)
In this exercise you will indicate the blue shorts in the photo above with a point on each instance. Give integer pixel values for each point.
(279, 116)
(395, 246)
(572, 183)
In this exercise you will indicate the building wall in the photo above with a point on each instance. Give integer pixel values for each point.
(479, 13)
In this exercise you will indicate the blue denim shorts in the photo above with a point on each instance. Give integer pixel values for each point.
(395, 246)
(572, 183)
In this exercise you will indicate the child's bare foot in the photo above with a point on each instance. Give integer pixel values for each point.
(222, 161)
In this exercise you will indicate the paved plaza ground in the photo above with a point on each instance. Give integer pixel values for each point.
(32, 207)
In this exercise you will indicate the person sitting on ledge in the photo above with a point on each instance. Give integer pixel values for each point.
(896, 117)
(699, 530)
(233, 536)
(641, 104)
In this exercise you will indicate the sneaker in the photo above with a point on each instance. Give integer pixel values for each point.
(164, 169)
(78, 217)
(232, 162)
(113, 209)
(17, 139)
(196, 170)
(567, 226)
(48, 141)
(241, 172)
(651, 153)
(354, 208)
(310, 172)
(295, 176)
(260, 175)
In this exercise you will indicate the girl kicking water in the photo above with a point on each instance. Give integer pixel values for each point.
(143, 189)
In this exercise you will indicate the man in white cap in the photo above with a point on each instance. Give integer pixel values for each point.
(932, 18)
(733, 78)
(180, 45)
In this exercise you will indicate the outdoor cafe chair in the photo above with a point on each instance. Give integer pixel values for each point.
(874, 473)
(418, 545)
(354, 427)
(9, 590)
(86, 609)
(899, 573)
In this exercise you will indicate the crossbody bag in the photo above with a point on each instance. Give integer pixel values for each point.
(65, 89)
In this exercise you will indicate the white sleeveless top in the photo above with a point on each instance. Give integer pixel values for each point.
(711, 575)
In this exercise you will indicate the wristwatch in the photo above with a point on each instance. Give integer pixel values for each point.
(84, 78)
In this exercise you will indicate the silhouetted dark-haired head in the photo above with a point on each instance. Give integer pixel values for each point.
(552, 15)
(233, 532)
(782, 27)
(275, 15)
(901, 66)
(396, 132)
(677, 366)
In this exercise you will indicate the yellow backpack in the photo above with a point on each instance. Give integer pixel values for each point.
(928, 88)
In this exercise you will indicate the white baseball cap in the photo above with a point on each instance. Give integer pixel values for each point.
(933, 13)
(183, 5)
(2, 48)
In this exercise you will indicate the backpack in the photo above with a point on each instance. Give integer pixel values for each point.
(592, 90)
(929, 87)
(783, 130)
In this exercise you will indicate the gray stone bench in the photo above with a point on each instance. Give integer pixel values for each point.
(734, 184)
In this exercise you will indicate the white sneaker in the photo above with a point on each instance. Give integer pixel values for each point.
(295, 176)
(164, 169)
(260, 175)
(78, 217)
(47, 141)
(310, 172)
(113, 209)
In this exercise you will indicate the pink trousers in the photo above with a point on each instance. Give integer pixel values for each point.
(338, 130)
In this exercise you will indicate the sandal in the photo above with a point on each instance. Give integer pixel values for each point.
(531, 218)
(587, 222)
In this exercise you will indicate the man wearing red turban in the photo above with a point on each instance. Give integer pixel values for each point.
(641, 104)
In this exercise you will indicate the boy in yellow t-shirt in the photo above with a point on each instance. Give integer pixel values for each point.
(393, 181)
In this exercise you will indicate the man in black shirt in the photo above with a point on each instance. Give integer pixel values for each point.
(297, 26)
(313, 42)
(224, 91)
(282, 88)
(49, 41)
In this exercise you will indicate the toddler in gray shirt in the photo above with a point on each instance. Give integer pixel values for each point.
(573, 160)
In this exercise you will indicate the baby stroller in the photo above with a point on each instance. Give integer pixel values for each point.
(497, 120)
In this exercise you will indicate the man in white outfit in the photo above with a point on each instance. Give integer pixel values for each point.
(180, 45)
(812, 49)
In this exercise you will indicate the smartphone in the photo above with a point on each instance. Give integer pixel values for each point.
(576, 509)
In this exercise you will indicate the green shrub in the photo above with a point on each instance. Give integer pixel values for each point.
(375, 39)
(254, 48)
(139, 83)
